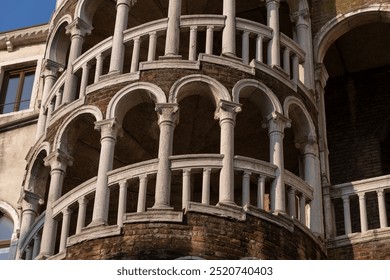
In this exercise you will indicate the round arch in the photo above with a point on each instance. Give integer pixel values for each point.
(218, 90)
(13, 214)
(343, 23)
(117, 107)
(272, 103)
(43, 147)
(58, 140)
(294, 109)
(85, 10)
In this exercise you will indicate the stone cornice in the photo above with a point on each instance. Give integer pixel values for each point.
(25, 36)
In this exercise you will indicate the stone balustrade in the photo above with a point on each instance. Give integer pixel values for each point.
(70, 210)
(352, 198)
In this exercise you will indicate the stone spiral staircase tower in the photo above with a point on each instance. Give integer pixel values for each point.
(176, 129)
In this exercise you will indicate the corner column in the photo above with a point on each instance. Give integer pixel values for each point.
(173, 30)
(118, 48)
(229, 31)
(276, 124)
(109, 131)
(273, 23)
(226, 113)
(58, 161)
(78, 29)
(167, 120)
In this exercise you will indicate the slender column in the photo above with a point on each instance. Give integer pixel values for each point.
(273, 22)
(286, 61)
(122, 202)
(118, 48)
(84, 79)
(245, 47)
(135, 56)
(58, 99)
(99, 67)
(78, 29)
(209, 39)
(260, 192)
(226, 113)
(295, 69)
(229, 31)
(58, 161)
(28, 253)
(276, 124)
(313, 177)
(29, 212)
(152, 46)
(193, 43)
(37, 246)
(304, 38)
(186, 187)
(143, 185)
(173, 29)
(167, 119)
(382, 208)
(83, 202)
(291, 203)
(363, 212)
(109, 131)
(302, 206)
(259, 48)
(347, 215)
(66, 214)
(50, 77)
(50, 110)
(246, 188)
(206, 186)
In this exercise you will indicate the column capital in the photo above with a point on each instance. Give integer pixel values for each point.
(58, 159)
(321, 74)
(108, 128)
(227, 110)
(380, 192)
(78, 27)
(52, 68)
(128, 3)
(276, 122)
(274, 2)
(167, 112)
(361, 195)
(30, 198)
(308, 145)
(301, 17)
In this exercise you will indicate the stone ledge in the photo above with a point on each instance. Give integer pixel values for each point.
(95, 232)
(154, 216)
(221, 210)
(227, 61)
(111, 79)
(358, 238)
(169, 63)
(279, 219)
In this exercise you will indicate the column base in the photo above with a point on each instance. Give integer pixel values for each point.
(170, 57)
(231, 56)
(160, 207)
(97, 223)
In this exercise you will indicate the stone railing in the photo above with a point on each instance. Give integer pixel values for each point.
(252, 33)
(360, 205)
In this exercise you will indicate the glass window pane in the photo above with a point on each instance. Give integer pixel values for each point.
(27, 89)
(10, 94)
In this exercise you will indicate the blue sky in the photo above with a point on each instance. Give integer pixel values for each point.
(22, 13)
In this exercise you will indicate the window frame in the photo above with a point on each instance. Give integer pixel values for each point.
(21, 73)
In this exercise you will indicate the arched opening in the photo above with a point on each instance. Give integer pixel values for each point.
(6, 230)
(60, 45)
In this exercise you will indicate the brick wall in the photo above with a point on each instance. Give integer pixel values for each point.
(373, 250)
(201, 235)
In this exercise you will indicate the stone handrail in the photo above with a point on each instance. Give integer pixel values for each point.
(37, 226)
(217, 21)
(256, 166)
(299, 184)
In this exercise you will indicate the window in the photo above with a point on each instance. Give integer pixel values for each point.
(16, 90)
(6, 227)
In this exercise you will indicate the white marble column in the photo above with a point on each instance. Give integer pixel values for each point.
(312, 174)
(382, 208)
(302, 209)
(109, 130)
(37, 246)
(81, 214)
(245, 47)
(226, 113)
(173, 31)
(246, 177)
(206, 186)
(29, 212)
(209, 39)
(363, 212)
(347, 215)
(135, 55)
(167, 119)
(143, 187)
(304, 38)
(118, 48)
(66, 215)
(193, 43)
(273, 23)
(260, 192)
(152, 46)
(292, 210)
(122, 203)
(229, 31)
(58, 161)
(99, 67)
(78, 29)
(50, 77)
(186, 197)
(276, 124)
(84, 80)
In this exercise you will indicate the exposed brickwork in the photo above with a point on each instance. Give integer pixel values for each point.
(204, 236)
(373, 250)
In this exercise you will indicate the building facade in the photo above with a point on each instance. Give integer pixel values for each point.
(167, 129)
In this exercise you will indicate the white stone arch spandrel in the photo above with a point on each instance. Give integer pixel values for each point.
(273, 104)
(218, 90)
(308, 130)
(114, 109)
(92, 110)
(342, 23)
